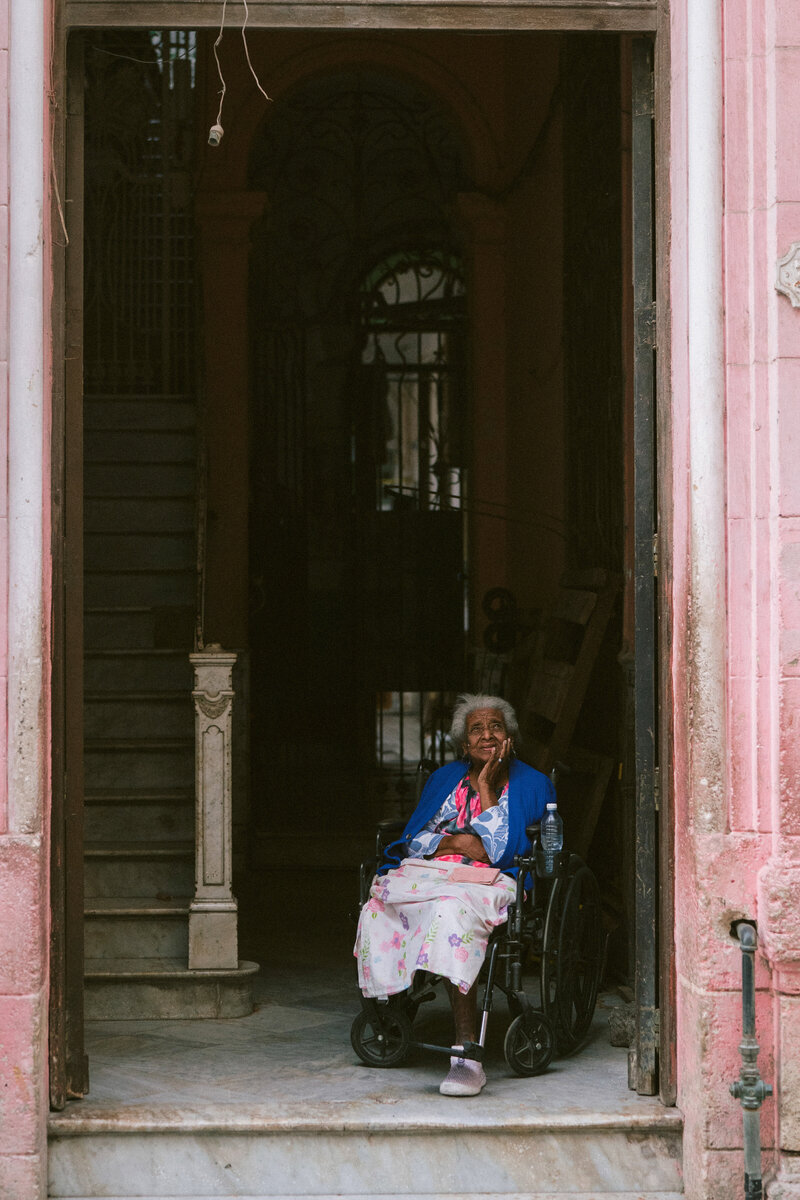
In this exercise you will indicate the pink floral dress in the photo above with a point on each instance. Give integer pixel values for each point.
(418, 917)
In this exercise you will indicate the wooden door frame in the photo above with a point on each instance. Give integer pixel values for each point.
(512, 16)
(613, 16)
(68, 1074)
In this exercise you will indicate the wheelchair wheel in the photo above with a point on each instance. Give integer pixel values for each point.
(381, 1043)
(572, 955)
(529, 1044)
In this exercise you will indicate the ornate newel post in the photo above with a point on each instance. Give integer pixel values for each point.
(212, 913)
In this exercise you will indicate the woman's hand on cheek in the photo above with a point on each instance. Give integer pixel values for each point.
(492, 767)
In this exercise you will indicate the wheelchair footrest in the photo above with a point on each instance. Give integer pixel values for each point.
(472, 1050)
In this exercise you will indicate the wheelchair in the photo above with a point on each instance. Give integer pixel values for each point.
(554, 923)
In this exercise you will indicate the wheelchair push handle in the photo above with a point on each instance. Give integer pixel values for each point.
(558, 769)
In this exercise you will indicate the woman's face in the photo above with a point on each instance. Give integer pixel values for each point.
(486, 732)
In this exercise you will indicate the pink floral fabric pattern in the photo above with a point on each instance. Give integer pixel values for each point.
(418, 919)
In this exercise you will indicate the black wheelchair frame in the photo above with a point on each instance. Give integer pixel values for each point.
(555, 918)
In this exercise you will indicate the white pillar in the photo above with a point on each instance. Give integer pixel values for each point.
(705, 344)
(27, 747)
(213, 942)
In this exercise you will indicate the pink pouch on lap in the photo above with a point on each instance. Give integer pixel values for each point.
(474, 875)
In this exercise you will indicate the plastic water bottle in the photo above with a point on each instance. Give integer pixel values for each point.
(552, 837)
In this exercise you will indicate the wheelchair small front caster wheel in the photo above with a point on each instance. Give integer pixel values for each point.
(384, 1042)
(529, 1044)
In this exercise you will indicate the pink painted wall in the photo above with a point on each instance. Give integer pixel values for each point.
(744, 859)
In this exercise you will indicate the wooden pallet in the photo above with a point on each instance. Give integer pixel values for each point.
(550, 676)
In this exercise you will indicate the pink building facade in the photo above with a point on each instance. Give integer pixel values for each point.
(728, 104)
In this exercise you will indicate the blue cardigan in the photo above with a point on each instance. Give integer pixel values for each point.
(529, 793)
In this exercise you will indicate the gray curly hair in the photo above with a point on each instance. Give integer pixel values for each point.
(471, 701)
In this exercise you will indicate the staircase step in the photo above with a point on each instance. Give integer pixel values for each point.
(136, 927)
(146, 869)
(138, 670)
(170, 764)
(138, 745)
(114, 876)
(135, 906)
(139, 551)
(155, 479)
(140, 715)
(107, 819)
(139, 514)
(139, 797)
(112, 412)
(164, 988)
(139, 446)
(133, 628)
(140, 587)
(124, 850)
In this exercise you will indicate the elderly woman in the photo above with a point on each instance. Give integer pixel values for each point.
(436, 910)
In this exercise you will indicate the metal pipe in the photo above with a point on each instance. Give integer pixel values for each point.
(750, 1088)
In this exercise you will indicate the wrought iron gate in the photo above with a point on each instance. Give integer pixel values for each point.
(356, 264)
(410, 491)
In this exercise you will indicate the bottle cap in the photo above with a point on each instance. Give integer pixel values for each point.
(552, 806)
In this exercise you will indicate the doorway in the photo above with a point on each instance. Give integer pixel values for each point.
(436, 410)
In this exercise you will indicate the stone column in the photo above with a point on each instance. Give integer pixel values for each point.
(212, 913)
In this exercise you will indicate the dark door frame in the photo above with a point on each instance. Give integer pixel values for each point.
(656, 1040)
(68, 1064)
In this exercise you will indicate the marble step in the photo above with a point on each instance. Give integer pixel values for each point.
(330, 1150)
(139, 413)
(138, 714)
(138, 670)
(141, 989)
(593, 1195)
(144, 816)
(117, 868)
(135, 927)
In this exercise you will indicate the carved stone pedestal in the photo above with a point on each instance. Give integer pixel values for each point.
(213, 941)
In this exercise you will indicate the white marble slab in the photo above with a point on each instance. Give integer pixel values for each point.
(359, 1162)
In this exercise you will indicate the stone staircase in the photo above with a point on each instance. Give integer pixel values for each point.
(139, 597)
